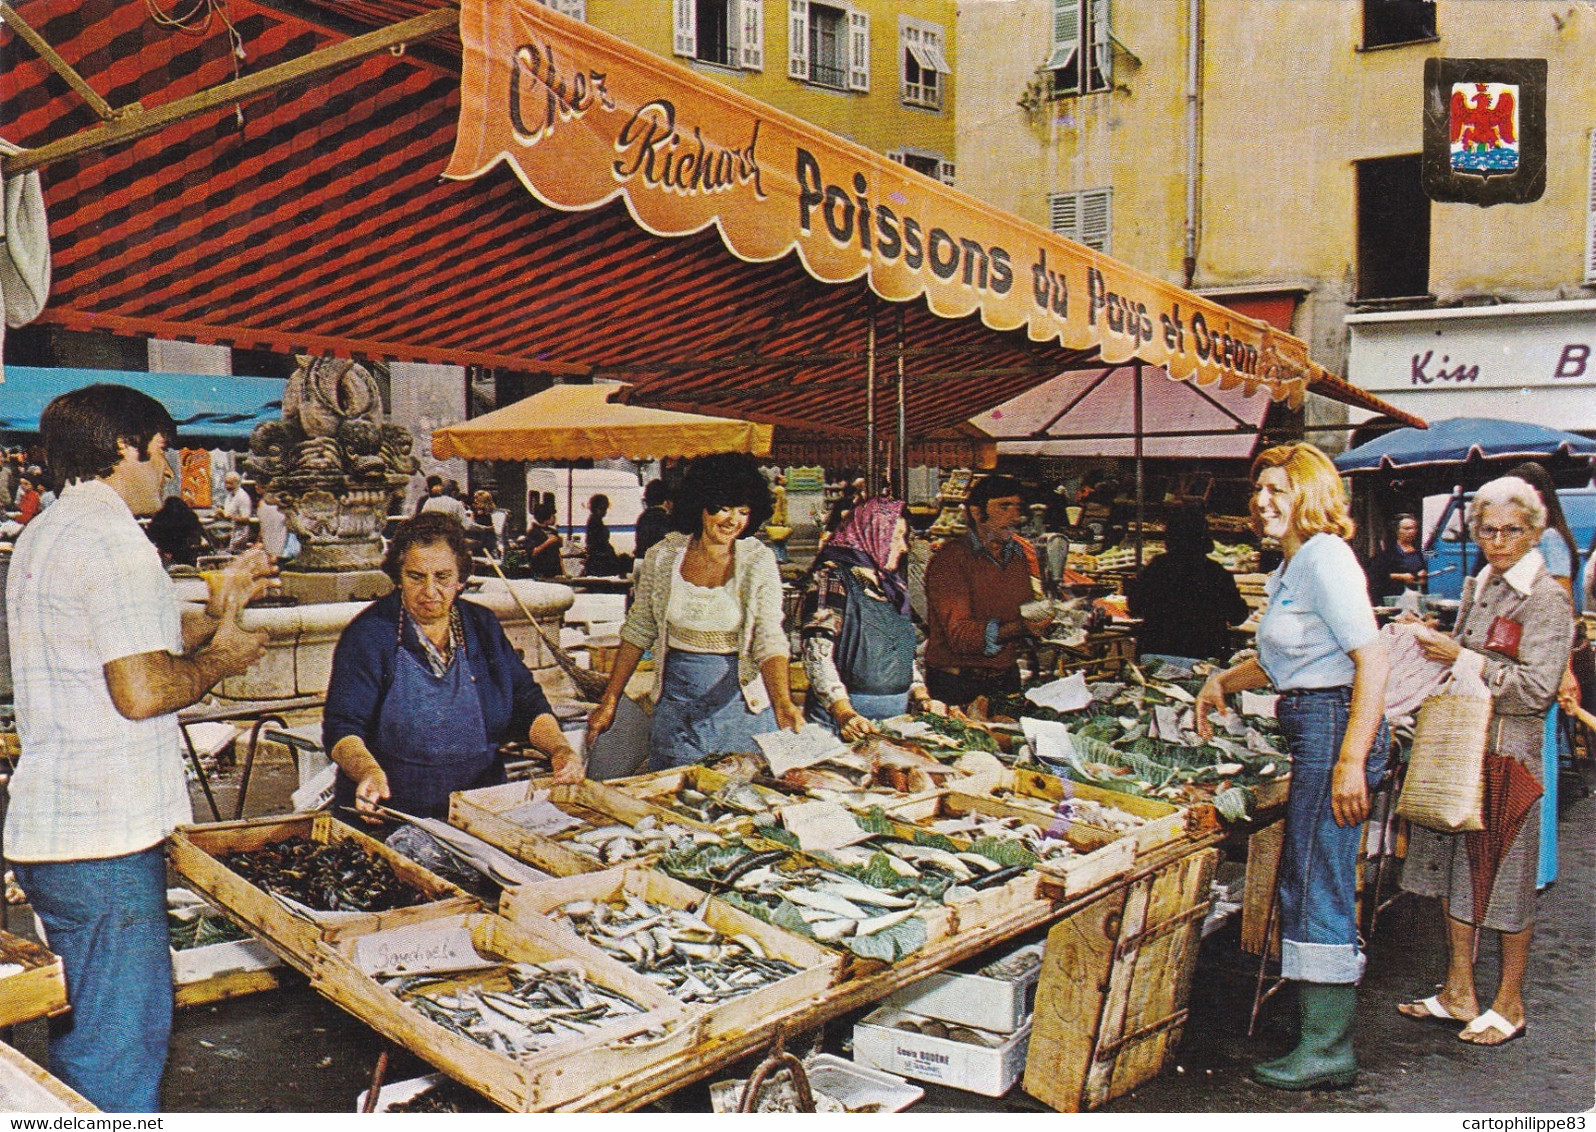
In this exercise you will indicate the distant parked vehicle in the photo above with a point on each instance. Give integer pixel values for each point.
(1451, 555)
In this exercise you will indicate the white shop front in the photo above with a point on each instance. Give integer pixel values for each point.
(1533, 362)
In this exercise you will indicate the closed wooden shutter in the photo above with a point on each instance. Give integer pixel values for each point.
(1590, 219)
(859, 51)
(798, 39)
(751, 27)
(686, 24)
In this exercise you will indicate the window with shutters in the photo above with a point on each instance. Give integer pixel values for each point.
(924, 63)
(1082, 59)
(576, 9)
(924, 161)
(828, 45)
(1393, 229)
(1590, 217)
(1085, 217)
(1390, 22)
(729, 33)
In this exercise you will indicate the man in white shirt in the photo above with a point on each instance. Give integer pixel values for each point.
(238, 508)
(102, 659)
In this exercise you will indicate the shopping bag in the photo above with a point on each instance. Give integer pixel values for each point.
(1445, 784)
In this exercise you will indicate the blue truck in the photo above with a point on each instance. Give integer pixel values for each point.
(1451, 555)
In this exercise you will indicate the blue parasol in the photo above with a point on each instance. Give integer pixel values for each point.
(1459, 439)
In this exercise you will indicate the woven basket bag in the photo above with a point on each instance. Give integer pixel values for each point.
(1445, 785)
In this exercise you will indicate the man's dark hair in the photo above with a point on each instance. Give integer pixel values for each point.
(988, 488)
(80, 430)
(1186, 532)
(725, 479)
(428, 529)
(543, 513)
(655, 493)
(599, 505)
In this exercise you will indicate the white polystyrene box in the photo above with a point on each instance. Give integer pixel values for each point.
(988, 1070)
(1000, 1005)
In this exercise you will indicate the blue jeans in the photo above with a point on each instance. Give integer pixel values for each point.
(1318, 877)
(106, 919)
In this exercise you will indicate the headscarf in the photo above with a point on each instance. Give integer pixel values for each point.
(865, 539)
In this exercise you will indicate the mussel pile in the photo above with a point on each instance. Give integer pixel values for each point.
(325, 876)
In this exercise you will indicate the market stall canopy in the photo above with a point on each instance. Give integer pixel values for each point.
(578, 422)
(679, 235)
(1093, 413)
(1462, 438)
(208, 407)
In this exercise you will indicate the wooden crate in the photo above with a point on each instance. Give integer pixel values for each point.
(820, 966)
(26, 1087)
(38, 990)
(1263, 866)
(1100, 858)
(1163, 822)
(521, 1084)
(195, 852)
(659, 789)
(1116, 977)
(481, 812)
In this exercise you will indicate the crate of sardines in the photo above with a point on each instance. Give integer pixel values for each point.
(702, 794)
(517, 1012)
(732, 968)
(875, 914)
(1153, 822)
(289, 880)
(1074, 858)
(570, 828)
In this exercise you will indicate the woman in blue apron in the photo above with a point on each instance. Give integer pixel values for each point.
(425, 688)
(708, 606)
(858, 635)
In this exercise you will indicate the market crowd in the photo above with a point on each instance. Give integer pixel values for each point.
(426, 689)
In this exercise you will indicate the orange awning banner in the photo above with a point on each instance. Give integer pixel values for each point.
(584, 118)
(580, 422)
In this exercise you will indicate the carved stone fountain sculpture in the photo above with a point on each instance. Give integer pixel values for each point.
(332, 464)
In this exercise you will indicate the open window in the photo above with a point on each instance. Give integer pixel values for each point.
(925, 65)
(729, 33)
(1082, 58)
(1387, 23)
(828, 45)
(1393, 229)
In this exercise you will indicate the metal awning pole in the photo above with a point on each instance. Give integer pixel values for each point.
(1141, 470)
(903, 421)
(870, 401)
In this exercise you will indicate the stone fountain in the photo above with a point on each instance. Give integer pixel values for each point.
(332, 464)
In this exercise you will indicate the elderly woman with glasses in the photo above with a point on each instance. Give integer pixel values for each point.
(1514, 630)
(1320, 649)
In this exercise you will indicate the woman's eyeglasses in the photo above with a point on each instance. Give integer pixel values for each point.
(1491, 534)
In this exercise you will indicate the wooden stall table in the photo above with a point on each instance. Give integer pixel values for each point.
(38, 990)
(1133, 1055)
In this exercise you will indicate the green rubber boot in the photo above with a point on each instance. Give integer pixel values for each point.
(1323, 1058)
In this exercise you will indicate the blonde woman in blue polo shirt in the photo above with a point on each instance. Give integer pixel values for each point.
(1320, 649)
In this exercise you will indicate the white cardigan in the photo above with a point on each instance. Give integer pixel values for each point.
(758, 582)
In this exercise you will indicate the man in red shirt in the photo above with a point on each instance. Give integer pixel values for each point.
(974, 587)
(29, 502)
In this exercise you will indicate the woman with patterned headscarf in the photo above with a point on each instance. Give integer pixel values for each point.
(858, 635)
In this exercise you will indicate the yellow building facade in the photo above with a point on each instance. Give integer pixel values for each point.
(880, 74)
(1269, 151)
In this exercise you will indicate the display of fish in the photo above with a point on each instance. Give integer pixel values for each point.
(674, 948)
(517, 1009)
(615, 844)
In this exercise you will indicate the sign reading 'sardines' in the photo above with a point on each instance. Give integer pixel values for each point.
(583, 117)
